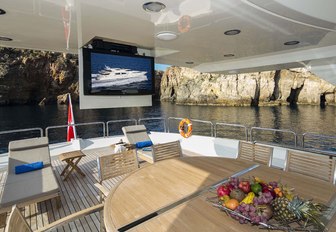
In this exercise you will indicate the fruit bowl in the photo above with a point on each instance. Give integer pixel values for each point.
(269, 205)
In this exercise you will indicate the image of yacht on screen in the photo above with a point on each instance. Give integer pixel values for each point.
(121, 74)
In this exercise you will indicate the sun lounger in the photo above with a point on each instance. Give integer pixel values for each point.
(138, 134)
(30, 187)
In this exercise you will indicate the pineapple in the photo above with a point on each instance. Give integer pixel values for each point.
(286, 210)
(281, 211)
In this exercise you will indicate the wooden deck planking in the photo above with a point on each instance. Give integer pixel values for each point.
(77, 193)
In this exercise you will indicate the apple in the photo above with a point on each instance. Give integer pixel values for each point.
(266, 189)
(245, 186)
(223, 190)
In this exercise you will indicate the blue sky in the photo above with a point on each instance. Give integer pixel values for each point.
(162, 67)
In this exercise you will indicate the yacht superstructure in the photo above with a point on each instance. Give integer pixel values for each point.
(222, 36)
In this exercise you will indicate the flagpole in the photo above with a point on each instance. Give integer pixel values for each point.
(73, 118)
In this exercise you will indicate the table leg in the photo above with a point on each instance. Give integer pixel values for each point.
(65, 169)
(73, 166)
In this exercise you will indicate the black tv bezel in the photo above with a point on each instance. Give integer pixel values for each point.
(87, 74)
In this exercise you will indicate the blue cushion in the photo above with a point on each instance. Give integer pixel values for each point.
(143, 144)
(28, 167)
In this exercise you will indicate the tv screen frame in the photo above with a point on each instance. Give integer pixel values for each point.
(88, 79)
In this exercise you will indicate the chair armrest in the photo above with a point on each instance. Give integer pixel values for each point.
(102, 189)
(72, 217)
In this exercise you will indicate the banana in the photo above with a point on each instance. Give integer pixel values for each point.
(249, 198)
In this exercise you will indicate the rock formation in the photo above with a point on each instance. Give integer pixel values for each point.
(295, 86)
(39, 77)
(31, 77)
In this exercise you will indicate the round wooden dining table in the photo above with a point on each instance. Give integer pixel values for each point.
(156, 186)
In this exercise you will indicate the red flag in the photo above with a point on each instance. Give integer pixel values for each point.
(71, 133)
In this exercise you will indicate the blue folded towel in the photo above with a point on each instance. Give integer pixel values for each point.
(143, 144)
(28, 167)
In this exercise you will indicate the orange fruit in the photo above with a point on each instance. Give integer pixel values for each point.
(232, 204)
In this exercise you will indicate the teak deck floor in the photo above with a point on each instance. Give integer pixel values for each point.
(77, 193)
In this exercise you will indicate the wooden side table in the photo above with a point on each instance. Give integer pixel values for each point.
(72, 159)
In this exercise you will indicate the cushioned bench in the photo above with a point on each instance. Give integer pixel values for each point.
(31, 187)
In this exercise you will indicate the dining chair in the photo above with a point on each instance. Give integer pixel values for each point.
(255, 152)
(311, 164)
(167, 150)
(263, 154)
(114, 165)
(245, 150)
(110, 166)
(16, 221)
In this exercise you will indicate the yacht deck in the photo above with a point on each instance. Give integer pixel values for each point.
(77, 193)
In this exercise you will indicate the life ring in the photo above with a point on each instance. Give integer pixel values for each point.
(189, 126)
(183, 24)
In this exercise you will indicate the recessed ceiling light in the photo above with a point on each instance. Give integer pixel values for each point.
(232, 32)
(228, 55)
(166, 35)
(5, 38)
(153, 6)
(189, 62)
(2, 12)
(293, 42)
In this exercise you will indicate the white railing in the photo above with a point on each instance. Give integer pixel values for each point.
(249, 133)
(217, 124)
(141, 120)
(23, 130)
(272, 130)
(111, 122)
(77, 125)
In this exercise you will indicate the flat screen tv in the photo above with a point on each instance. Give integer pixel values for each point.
(109, 73)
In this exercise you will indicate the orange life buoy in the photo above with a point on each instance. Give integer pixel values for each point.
(189, 126)
(183, 24)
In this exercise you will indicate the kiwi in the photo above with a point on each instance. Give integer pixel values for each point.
(237, 194)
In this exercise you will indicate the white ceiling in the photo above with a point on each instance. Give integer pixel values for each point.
(265, 26)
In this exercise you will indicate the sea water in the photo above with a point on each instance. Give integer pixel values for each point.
(299, 119)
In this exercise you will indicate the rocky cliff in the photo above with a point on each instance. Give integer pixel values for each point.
(31, 77)
(297, 86)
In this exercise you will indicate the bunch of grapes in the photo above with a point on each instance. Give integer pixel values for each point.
(234, 181)
(263, 199)
(248, 211)
(273, 184)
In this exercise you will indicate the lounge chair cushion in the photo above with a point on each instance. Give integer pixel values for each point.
(28, 167)
(29, 186)
(134, 134)
(25, 144)
(36, 150)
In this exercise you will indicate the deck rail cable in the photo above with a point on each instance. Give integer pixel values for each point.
(313, 137)
(155, 119)
(22, 130)
(217, 124)
(108, 123)
(273, 130)
(192, 120)
(77, 124)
